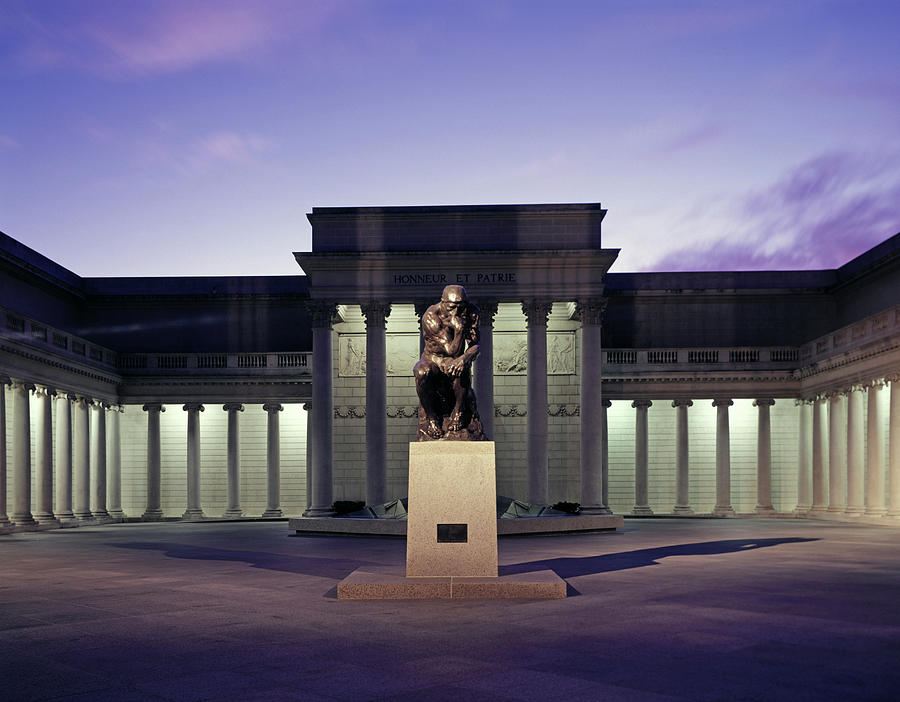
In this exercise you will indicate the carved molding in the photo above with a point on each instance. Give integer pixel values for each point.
(401, 354)
(350, 412)
(402, 412)
(511, 353)
(510, 411)
(564, 410)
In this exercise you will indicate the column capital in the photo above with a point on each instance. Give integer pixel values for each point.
(641, 404)
(488, 311)
(193, 407)
(591, 310)
(421, 307)
(763, 402)
(722, 402)
(151, 407)
(682, 403)
(84, 402)
(272, 407)
(45, 391)
(376, 312)
(23, 385)
(321, 313)
(877, 383)
(892, 378)
(307, 406)
(230, 407)
(800, 401)
(536, 312)
(5, 379)
(836, 394)
(102, 404)
(858, 387)
(607, 403)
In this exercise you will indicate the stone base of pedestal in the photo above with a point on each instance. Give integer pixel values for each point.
(272, 514)
(723, 512)
(683, 509)
(233, 513)
(154, 515)
(642, 511)
(393, 585)
(193, 515)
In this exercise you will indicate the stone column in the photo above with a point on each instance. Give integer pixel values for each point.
(837, 453)
(804, 456)
(273, 461)
(894, 450)
(4, 517)
(604, 452)
(114, 463)
(536, 313)
(819, 455)
(856, 453)
(233, 508)
(591, 391)
(376, 314)
(641, 440)
(64, 457)
(723, 460)
(21, 454)
(43, 457)
(309, 457)
(98, 450)
(764, 457)
(153, 512)
(484, 368)
(682, 458)
(875, 503)
(194, 511)
(321, 314)
(421, 308)
(81, 459)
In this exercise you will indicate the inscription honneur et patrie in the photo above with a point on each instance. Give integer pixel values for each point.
(483, 278)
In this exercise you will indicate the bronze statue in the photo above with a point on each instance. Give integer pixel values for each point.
(444, 372)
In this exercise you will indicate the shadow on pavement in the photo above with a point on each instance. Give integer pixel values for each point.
(591, 565)
(338, 568)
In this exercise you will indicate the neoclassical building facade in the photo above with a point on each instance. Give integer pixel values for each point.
(716, 393)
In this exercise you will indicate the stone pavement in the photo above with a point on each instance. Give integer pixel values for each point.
(666, 609)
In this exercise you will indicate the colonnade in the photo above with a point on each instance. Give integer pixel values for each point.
(82, 481)
(536, 313)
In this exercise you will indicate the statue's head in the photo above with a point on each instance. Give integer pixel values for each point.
(454, 297)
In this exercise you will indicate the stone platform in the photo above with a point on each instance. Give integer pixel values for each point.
(364, 584)
(351, 526)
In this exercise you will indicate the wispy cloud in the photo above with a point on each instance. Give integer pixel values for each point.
(819, 215)
(133, 40)
(203, 154)
(7, 143)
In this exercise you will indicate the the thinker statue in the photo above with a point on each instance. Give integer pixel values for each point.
(444, 372)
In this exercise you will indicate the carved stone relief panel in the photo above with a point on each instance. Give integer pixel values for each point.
(402, 354)
(511, 353)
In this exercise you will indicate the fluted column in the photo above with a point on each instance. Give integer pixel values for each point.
(604, 452)
(376, 314)
(837, 453)
(894, 450)
(723, 506)
(4, 516)
(641, 440)
(43, 457)
(21, 454)
(194, 511)
(98, 451)
(875, 502)
(233, 507)
(484, 368)
(81, 459)
(64, 457)
(804, 456)
(273, 461)
(682, 458)
(307, 406)
(154, 473)
(321, 314)
(819, 455)
(764, 456)
(591, 391)
(856, 453)
(114, 463)
(536, 313)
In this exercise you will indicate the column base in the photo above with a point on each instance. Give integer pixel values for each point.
(117, 514)
(193, 515)
(46, 519)
(102, 516)
(876, 513)
(641, 511)
(727, 511)
(853, 512)
(802, 510)
(836, 510)
(319, 512)
(233, 513)
(273, 513)
(152, 515)
(4, 521)
(23, 519)
(764, 511)
(66, 516)
(682, 509)
(84, 516)
(595, 509)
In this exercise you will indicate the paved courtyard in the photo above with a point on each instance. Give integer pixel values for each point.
(663, 610)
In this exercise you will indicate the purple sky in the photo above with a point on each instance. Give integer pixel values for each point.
(191, 137)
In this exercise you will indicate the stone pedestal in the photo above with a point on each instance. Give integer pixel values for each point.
(452, 523)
